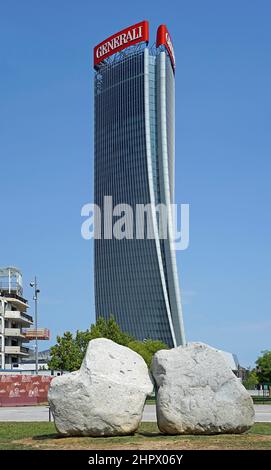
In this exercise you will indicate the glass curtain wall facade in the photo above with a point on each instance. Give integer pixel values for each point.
(136, 280)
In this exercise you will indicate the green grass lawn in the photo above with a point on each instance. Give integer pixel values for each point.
(261, 400)
(151, 401)
(43, 436)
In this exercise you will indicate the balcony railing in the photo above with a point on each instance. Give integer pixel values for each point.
(12, 295)
(14, 332)
(17, 315)
(28, 317)
(16, 350)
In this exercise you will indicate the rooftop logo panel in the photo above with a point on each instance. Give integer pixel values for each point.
(127, 37)
(163, 38)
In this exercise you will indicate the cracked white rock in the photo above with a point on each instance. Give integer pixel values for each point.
(106, 396)
(198, 393)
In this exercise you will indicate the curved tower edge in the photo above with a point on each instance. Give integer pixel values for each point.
(151, 190)
(167, 198)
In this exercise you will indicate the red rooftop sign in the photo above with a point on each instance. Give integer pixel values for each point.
(127, 37)
(163, 38)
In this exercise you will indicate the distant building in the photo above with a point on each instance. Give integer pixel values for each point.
(15, 323)
(13, 319)
(233, 362)
(30, 364)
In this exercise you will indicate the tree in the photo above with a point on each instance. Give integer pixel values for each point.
(263, 368)
(66, 354)
(251, 381)
(109, 329)
(70, 350)
(102, 329)
(147, 348)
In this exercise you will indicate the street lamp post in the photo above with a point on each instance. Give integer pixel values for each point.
(35, 298)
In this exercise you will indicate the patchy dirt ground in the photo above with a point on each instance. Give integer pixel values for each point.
(231, 442)
(39, 436)
(234, 443)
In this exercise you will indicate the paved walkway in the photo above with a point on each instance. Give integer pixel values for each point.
(262, 413)
(41, 413)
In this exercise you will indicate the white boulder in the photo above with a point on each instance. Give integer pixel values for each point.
(106, 396)
(198, 393)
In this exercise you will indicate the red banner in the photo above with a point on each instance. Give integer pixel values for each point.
(127, 37)
(163, 38)
(21, 390)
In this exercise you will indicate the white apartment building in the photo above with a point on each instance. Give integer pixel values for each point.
(14, 320)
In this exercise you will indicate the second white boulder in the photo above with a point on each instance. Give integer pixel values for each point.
(198, 393)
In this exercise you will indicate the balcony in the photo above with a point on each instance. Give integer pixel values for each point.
(15, 299)
(14, 332)
(17, 350)
(19, 316)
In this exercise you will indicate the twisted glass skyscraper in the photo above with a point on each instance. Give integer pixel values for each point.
(136, 280)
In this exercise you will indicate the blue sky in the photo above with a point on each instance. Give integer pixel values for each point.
(223, 118)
